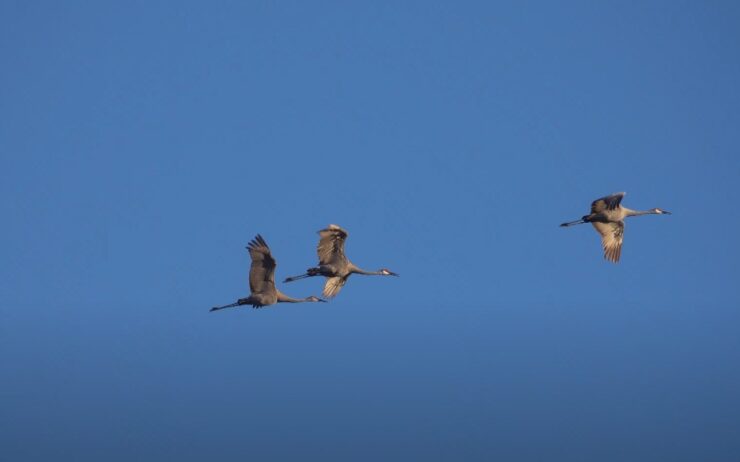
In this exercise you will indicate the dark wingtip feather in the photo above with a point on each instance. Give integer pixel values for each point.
(256, 242)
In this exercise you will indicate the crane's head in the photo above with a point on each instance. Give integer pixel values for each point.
(314, 298)
(661, 211)
(387, 272)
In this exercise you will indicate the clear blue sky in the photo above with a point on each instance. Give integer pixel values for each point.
(142, 144)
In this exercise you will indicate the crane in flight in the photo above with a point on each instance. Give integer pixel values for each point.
(262, 280)
(607, 217)
(334, 264)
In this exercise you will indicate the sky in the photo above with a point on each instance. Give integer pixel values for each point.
(143, 144)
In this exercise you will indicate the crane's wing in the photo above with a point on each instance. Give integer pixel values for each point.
(331, 245)
(262, 271)
(612, 235)
(333, 286)
(607, 203)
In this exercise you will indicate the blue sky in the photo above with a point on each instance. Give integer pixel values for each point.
(143, 144)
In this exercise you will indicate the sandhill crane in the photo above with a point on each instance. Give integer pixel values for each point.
(607, 217)
(262, 280)
(333, 264)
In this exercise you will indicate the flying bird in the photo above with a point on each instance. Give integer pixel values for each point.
(607, 217)
(262, 280)
(333, 264)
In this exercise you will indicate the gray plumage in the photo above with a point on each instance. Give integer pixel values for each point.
(262, 280)
(334, 264)
(607, 217)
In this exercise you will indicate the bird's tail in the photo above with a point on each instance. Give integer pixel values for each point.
(577, 222)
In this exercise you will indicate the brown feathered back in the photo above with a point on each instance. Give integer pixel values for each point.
(610, 202)
(331, 245)
(262, 271)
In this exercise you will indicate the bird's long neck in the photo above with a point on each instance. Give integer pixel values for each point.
(282, 298)
(637, 213)
(358, 270)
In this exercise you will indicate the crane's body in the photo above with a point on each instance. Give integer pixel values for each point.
(262, 280)
(334, 264)
(607, 217)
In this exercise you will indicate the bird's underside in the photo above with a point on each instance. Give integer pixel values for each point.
(259, 300)
(333, 285)
(612, 235)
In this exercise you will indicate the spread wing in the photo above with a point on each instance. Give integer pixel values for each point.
(262, 271)
(331, 245)
(333, 286)
(612, 235)
(607, 203)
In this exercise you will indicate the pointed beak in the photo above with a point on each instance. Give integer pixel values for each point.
(320, 300)
(394, 274)
(666, 212)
